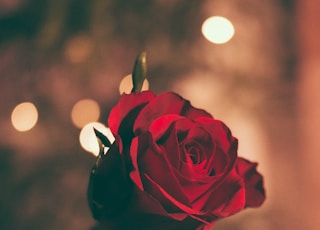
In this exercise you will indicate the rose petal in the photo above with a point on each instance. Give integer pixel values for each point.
(165, 132)
(160, 126)
(226, 145)
(171, 147)
(192, 174)
(135, 174)
(200, 135)
(199, 147)
(148, 204)
(221, 162)
(224, 198)
(127, 109)
(151, 164)
(255, 193)
(194, 189)
(166, 103)
(219, 131)
(157, 189)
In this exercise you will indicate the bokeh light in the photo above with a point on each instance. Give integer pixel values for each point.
(85, 111)
(24, 116)
(126, 84)
(217, 29)
(78, 49)
(88, 139)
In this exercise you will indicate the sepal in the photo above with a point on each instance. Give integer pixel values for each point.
(109, 189)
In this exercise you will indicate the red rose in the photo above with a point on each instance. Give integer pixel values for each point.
(183, 162)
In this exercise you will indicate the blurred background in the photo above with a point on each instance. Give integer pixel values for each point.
(255, 67)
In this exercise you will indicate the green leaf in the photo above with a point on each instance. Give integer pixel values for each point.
(104, 140)
(139, 72)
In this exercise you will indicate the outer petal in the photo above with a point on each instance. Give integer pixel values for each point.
(255, 193)
(224, 198)
(166, 103)
(123, 115)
